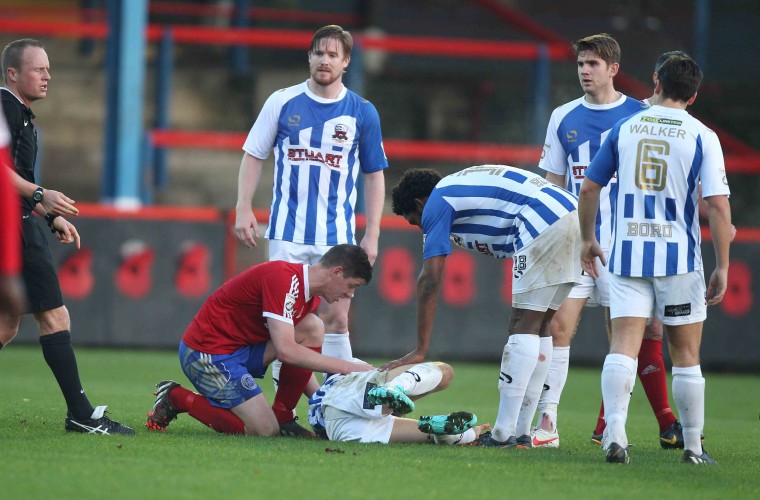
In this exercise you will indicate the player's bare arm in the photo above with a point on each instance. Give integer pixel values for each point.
(53, 202)
(374, 198)
(556, 179)
(588, 204)
(719, 216)
(428, 289)
(289, 351)
(246, 226)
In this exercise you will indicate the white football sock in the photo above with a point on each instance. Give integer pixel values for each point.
(689, 396)
(337, 345)
(535, 385)
(419, 379)
(466, 437)
(517, 364)
(275, 366)
(555, 382)
(617, 383)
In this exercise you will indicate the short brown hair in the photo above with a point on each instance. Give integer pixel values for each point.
(680, 77)
(602, 45)
(336, 32)
(352, 258)
(14, 51)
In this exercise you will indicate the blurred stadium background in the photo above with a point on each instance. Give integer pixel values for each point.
(456, 83)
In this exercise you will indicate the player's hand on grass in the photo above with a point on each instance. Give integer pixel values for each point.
(58, 203)
(716, 288)
(480, 429)
(246, 227)
(65, 231)
(412, 358)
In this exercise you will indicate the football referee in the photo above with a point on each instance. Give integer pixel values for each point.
(26, 71)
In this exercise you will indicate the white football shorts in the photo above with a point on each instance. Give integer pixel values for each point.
(296, 252)
(544, 272)
(349, 417)
(675, 300)
(597, 291)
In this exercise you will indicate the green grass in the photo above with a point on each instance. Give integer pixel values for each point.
(40, 460)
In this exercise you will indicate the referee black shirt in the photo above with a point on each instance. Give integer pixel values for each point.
(23, 140)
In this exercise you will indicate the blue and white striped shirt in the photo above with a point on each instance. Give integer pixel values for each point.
(320, 146)
(492, 209)
(575, 133)
(660, 156)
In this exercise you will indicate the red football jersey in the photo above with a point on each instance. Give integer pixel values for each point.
(236, 314)
(10, 218)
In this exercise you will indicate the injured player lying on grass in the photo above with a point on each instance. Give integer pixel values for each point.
(364, 407)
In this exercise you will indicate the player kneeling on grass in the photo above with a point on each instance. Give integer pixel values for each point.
(262, 314)
(362, 407)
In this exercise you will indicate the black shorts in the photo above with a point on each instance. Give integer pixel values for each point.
(43, 292)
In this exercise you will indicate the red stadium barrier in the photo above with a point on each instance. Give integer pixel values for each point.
(401, 149)
(295, 39)
(189, 9)
(741, 158)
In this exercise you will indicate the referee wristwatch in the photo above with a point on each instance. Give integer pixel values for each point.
(38, 194)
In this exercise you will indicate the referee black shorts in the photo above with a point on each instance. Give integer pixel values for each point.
(43, 291)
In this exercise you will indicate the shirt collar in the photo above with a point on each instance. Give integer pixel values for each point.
(26, 108)
(307, 296)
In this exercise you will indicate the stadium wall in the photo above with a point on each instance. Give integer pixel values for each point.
(140, 277)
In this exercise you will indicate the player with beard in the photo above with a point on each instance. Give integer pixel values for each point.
(323, 136)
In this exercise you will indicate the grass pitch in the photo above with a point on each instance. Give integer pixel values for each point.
(40, 460)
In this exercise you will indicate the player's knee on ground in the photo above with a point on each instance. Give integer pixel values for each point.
(310, 332)
(257, 417)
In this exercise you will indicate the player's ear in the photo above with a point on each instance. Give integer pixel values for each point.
(691, 101)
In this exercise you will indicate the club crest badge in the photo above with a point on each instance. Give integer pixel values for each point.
(341, 133)
(290, 302)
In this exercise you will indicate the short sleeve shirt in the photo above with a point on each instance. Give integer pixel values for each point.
(320, 148)
(237, 314)
(575, 133)
(660, 156)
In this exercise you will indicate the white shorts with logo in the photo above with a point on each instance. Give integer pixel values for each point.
(675, 300)
(296, 252)
(544, 271)
(348, 415)
(597, 291)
